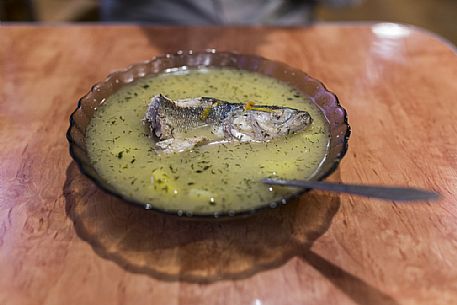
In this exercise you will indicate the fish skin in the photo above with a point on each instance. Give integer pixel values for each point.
(165, 116)
(167, 120)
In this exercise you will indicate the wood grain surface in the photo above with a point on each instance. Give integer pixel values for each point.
(63, 241)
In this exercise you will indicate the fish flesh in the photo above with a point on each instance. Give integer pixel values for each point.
(182, 124)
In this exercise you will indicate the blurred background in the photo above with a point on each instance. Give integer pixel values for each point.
(439, 16)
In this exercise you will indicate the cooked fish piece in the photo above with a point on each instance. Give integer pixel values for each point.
(185, 123)
(177, 145)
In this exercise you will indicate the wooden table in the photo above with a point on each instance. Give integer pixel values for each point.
(62, 241)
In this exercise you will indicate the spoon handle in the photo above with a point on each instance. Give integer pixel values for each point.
(374, 191)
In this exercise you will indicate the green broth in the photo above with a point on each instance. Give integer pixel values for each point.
(206, 179)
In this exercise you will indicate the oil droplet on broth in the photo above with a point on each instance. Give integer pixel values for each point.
(206, 179)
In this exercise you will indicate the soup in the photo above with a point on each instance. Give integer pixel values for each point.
(207, 178)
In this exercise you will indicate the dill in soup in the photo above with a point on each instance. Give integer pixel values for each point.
(199, 141)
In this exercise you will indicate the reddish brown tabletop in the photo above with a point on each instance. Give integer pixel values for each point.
(63, 241)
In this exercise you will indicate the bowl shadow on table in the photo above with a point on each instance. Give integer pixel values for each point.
(170, 248)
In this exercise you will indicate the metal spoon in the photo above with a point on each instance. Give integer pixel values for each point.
(374, 191)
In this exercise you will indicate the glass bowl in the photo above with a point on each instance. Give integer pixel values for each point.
(326, 101)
